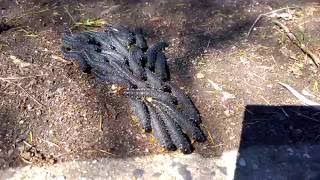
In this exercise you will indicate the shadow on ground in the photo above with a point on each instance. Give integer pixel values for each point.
(279, 140)
(11, 136)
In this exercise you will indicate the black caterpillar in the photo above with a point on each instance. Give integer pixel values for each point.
(121, 56)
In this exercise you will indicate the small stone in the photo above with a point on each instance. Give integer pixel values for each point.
(38, 113)
(60, 90)
(242, 162)
(228, 112)
(114, 87)
(29, 107)
(200, 75)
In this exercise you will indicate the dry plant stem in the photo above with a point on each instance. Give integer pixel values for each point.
(18, 78)
(266, 14)
(297, 42)
(25, 91)
(69, 14)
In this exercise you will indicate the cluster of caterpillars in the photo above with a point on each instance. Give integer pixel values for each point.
(121, 56)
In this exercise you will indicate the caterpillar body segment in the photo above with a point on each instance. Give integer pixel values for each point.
(123, 34)
(140, 40)
(188, 107)
(161, 67)
(127, 74)
(113, 79)
(152, 80)
(188, 126)
(149, 93)
(140, 110)
(175, 132)
(152, 54)
(118, 45)
(135, 58)
(159, 129)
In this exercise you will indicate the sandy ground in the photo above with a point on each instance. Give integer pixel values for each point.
(64, 114)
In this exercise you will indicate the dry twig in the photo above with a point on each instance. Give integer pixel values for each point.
(25, 91)
(297, 42)
(266, 14)
(19, 78)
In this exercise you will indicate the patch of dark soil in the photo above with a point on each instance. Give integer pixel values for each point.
(5, 27)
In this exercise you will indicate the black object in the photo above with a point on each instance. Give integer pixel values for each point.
(121, 56)
(4, 27)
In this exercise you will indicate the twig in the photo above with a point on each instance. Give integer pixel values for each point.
(25, 91)
(23, 77)
(106, 152)
(297, 42)
(67, 11)
(284, 112)
(218, 145)
(305, 116)
(26, 143)
(266, 14)
(50, 143)
(100, 123)
(99, 150)
(263, 98)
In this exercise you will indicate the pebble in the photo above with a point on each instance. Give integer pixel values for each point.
(29, 107)
(38, 113)
(200, 75)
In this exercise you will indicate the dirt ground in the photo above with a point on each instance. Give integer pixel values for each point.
(64, 114)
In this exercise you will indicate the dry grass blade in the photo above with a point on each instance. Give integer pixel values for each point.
(50, 143)
(94, 22)
(300, 96)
